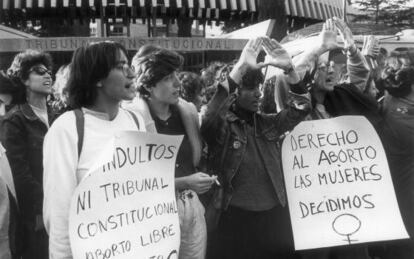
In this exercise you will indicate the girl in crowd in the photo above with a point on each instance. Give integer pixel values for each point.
(192, 88)
(23, 130)
(165, 113)
(100, 78)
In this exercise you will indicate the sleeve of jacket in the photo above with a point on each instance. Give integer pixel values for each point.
(60, 158)
(298, 107)
(358, 69)
(28, 189)
(214, 120)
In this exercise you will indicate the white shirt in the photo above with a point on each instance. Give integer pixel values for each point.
(63, 171)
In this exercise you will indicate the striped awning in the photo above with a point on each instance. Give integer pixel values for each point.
(13, 10)
(314, 9)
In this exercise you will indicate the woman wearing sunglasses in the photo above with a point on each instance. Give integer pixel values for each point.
(99, 79)
(23, 131)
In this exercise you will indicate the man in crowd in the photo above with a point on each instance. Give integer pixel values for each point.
(398, 140)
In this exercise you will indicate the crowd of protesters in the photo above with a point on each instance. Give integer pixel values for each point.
(229, 183)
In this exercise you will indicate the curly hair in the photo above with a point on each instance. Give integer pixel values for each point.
(191, 85)
(89, 65)
(25, 60)
(398, 75)
(19, 70)
(153, 67)
(213, 74)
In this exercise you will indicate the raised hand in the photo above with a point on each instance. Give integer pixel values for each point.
(370, 47)
(279, 56)
(327, 36)
(248, 57)
(247, 60)
(345, 33)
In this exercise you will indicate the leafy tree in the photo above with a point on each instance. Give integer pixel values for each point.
(390, 12)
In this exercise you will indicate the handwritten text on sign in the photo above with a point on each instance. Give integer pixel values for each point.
(339, 185)
(127, 208)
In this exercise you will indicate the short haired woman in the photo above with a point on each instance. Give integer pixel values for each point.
(166, 113)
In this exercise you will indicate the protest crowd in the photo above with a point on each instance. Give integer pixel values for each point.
(229, 182)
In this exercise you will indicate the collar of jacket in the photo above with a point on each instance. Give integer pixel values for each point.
(231, 117)
(28, 112)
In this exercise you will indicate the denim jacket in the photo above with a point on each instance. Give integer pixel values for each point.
(223, 130)
(22, 134)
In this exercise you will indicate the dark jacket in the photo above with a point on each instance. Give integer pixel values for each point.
(22, 134)
(223, 130)
(398, 140)
(347, 99)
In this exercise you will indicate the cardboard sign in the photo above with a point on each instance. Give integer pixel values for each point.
(339, 185)
(127, 207)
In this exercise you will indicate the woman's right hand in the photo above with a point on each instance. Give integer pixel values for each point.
(327, 37)
(200, 182)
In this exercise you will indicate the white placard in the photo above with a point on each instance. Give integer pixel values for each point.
(339, 185)
(127, 207)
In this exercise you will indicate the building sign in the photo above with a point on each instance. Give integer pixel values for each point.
(339, 185)
(72, 43)
(126, 208)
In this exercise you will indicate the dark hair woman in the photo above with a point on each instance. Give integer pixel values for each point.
(164, 112)
(23, 131)
(100, 78)
(192, 88)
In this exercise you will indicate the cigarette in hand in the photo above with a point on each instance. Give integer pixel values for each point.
(216, 181)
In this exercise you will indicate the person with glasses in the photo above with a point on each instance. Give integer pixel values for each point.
(337, 90)
(100, 78)
(332, 95)
(22, 133)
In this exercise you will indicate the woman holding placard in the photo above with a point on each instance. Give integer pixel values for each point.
(100, 78)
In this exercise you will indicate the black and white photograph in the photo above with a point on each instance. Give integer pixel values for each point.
(206, 129)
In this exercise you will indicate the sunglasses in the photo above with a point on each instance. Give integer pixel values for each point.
(40, 70)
